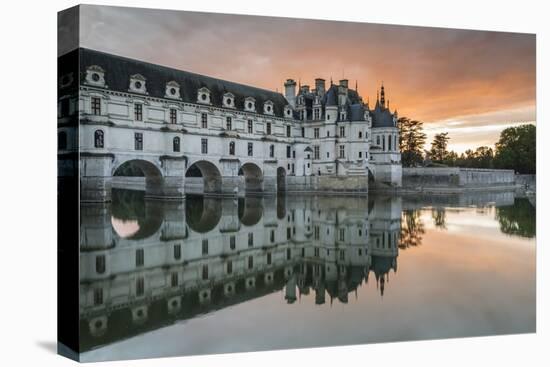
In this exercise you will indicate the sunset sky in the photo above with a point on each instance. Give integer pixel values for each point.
(472, 84)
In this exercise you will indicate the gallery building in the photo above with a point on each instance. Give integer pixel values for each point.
(184, 132)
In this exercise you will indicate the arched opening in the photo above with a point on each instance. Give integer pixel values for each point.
(133, 217)
(253, 177)
(203, 177)
(202, 213)
(250, 210)
(281, 179)
(130, 171)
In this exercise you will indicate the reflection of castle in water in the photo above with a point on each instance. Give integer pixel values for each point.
(185, 259)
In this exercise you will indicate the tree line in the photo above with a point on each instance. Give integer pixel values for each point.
(515, 149)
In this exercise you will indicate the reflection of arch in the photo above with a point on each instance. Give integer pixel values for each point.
(253, 177)
(211, 177)
(281, 179)
(139, 167)
(250, 210)
(130, 206)
(202, 213)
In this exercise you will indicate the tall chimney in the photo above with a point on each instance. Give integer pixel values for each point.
(290, 92)
(344, 83)
(320, 86)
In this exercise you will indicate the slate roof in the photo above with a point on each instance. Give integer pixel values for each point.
(118, 70)
(381, 117)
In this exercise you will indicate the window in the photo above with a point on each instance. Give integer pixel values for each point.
(359, 232)
(251, 239)
(98, 139)
(288, 233)
(342, 151)
(204, 146)
(138, 141)
(342, 234)
(62, 140)
(232, 242)
(100, 264)
(173, 116)
(303, 132)
(176, 144)
(395, 142)
(328, 134)
(378, 140)
(204, 120)
(228, 123)
(229, 267)
(96, 106)
(288, 131)
(250, 126)
(342, 131)
(268, 128)
(177, 252)
(288, 151)
(342, 115)
(316, 251)
(383, 142)
(140, 286)
(231, 148)
(360, 154)
(316, 114)
(316, 152)
(250, 149)
(288, 254)
(272, 151)
(316, 133)
(302, 115)
(98, 296)
(140, 257)
(269, 258)
(138, 112)
(205, 272)
(328, 154)
(205, 247)
(250, 262)
(389, 142)
(360, 134)
(272, 236)
(174, 279)
(292, 171)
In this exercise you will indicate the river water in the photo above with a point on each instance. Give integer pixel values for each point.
(216, 275)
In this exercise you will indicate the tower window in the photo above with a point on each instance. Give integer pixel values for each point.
(250, 149)
(204, 146)
(98, 139)
(96, 106)
(268, 128)
(272, 151)
(138, 112)
(177, 252)
(342, 131)
(204, 120)
(138, 141)
(342, 151)
(316, 133)
(176, 144)
(250, 126)
(228, 123)
(288, 131)
(232, 148)
(288, 148)
(173, 116)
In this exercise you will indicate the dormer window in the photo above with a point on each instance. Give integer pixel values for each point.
(203, 95)
(137, 84)
(229, 100)
(250, 104)
(342, 115)
(288, 112)
(172, 90)
(268, 108)
(95, 75)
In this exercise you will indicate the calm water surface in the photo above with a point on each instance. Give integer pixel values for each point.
(218, 275)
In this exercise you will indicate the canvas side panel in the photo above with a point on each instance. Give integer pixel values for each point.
(68, 184)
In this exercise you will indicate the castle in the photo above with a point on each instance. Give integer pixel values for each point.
(190, 133)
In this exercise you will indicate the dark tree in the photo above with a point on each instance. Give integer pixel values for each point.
(518, 219)
(516, 149)
(412, 229)
(438, 152)
(411, 141)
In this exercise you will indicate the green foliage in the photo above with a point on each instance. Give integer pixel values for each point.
(438, 152)
(516, 149)
(518, 219)
(411, 141)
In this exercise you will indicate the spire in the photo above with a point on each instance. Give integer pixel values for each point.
(331, 80)
(382, 96)
(356, 85)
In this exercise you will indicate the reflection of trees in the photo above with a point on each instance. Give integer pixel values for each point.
(518, 219)
(128, 204)
(412, 229)
(438, 216)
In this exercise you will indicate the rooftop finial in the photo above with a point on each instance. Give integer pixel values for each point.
(356, 85)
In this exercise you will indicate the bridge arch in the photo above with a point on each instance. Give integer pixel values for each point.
(250, 209)
(253, 177)
(154, 181)
(202, 213)
(203, 173)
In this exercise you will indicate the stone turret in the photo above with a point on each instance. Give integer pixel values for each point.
(320, 86)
